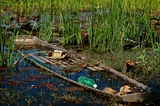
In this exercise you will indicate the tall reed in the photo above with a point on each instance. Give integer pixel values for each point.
(6, 57)
(1, 39)
(112, 21)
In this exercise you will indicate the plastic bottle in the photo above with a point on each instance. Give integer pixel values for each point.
(87, 81)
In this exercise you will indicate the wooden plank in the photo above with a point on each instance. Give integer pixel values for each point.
(79, 59)
(69, 62)
(55, 65)
(58, 63)
(38, 59)
(98, 68)
(65, 63)
(126, 78)
(141, 97)
(90, 68)
(47, 45)
(72, 60)
(24, 42)
(46, 60)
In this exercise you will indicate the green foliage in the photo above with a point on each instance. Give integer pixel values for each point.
(6, 59)
(1, 40)
(150, 60)
(109, 24)
(46, 29)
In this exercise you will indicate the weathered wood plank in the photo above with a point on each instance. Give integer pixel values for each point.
(38, 59)
(90, 68)
(98, 68)
(46, 60)
(47, 45)
(74, 61)
(126, 78)
(24, 42)
(58, 63)
(141, 97)
(79, 59)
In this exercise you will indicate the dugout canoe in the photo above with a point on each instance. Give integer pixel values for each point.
(146, 94)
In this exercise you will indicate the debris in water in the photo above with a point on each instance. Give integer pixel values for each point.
(130, 65)
(126, 89)
(109, 90)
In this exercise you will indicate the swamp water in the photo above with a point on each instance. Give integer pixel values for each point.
(32, 86)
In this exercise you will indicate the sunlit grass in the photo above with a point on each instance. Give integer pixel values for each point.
(111, 21)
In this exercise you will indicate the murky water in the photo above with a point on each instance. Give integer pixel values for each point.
(31, 85)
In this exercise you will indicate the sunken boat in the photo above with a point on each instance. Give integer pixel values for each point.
(68, 61)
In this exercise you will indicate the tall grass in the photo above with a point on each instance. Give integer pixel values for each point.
(1, 39)
(107, 31)
(112, 21)
(6, 57)
(123, 21)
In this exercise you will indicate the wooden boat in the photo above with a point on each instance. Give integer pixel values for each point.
(74, 60)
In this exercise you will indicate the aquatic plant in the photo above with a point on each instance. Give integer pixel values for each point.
(150, 60)
(111, 27)
(112, 24)
(1, 40)
(6, 57)
(46, 29)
